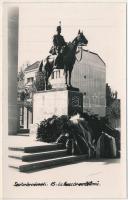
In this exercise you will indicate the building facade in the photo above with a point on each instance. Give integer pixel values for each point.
(30, 73)
(25, 83)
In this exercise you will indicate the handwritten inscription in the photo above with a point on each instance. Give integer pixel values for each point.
(54, 183)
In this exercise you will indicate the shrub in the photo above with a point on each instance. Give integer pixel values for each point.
(50, 129)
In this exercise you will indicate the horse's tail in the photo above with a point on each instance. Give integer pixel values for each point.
(41, 66)
(47, 58)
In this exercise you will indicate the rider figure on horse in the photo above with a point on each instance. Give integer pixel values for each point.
(58, 47)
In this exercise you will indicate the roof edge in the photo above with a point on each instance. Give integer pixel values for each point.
(27, 68)
(95, 54)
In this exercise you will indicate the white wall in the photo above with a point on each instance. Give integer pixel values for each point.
(49, 103)
(30, 74)
(89, 75)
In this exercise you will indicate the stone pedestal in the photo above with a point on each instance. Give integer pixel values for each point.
(56, 102)
(57, 79)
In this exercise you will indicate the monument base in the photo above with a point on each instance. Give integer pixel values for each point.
(56, 102)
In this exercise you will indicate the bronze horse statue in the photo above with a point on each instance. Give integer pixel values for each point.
(68, 60)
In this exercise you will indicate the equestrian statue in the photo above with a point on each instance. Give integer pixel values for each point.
(62, 56)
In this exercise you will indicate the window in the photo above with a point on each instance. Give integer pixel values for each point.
(30, 80)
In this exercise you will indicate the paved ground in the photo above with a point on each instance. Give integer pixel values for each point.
(23, 141)
(109, 174)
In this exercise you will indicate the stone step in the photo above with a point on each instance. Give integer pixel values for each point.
(37, 156)
(36, 149)
(24, 167)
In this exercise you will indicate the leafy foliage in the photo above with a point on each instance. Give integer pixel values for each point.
(40, 81)
(50, 129)
(110, 95)
(28, 105)
(113, 111)
(112, 107)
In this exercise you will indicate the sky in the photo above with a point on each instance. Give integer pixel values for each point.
(103, 24)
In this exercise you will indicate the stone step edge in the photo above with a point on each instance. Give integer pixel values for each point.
(41, 148)
(41, 155)
(23, 167)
